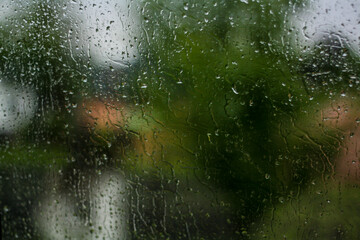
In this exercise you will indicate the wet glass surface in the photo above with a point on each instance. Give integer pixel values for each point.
(150, 119)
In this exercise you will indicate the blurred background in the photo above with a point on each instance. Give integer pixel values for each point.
(156, 119)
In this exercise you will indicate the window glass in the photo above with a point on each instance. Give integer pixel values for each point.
(156, 119)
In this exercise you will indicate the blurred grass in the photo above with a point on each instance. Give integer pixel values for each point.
(27, 156)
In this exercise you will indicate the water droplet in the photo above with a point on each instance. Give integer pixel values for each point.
(234, 90)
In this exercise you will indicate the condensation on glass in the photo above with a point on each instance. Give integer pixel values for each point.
(214, 119)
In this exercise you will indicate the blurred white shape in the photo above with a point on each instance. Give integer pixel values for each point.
(57, 217)
(17, 107)
(6, 9)
(334, 23)
(106, 31)
(108, 208)
(14, 9)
